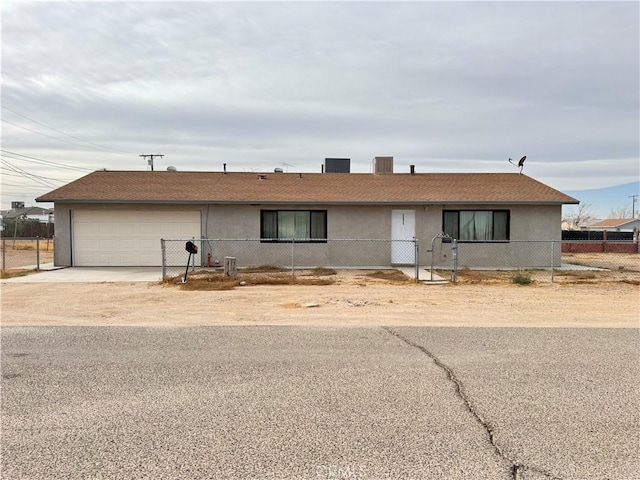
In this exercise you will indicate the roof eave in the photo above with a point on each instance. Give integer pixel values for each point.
(304, 202)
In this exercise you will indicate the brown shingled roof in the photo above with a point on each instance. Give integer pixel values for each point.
(327, 188)
(612, 222)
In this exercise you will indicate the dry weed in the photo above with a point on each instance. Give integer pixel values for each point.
(263, 269)
(217, 281)
(17, 273)
(321, 272)
(391, 276)
(11, 244)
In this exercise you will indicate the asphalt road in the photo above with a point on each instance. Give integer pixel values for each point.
(319, 403)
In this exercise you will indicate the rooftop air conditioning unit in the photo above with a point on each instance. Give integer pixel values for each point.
(382, 164)
(337, 165)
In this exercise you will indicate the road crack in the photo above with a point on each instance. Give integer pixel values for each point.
(517, 469)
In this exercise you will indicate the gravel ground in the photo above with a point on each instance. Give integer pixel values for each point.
(318, 402)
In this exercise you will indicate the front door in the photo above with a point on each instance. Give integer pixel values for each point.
(403, 232)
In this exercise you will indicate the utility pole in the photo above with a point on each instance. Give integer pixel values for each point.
(151, 157)
(633, 204)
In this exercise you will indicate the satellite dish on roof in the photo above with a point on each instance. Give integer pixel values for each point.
(520, 163)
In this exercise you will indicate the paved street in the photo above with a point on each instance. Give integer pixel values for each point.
(319, 403)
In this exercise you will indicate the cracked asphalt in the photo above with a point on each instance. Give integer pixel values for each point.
(319, 403)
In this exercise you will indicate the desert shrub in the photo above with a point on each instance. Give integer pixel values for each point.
(521, 279)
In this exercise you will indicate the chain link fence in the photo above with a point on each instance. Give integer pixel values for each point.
(543, 261)
(342, 258)
(394, 260)
(398, 260)
(25, 253)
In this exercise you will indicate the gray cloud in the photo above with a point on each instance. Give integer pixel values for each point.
(447, 86)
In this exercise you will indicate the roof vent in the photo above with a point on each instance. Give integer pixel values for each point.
(171, 168)
(262, 176)
(278, 170)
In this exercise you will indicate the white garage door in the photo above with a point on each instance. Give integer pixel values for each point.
(128, 238)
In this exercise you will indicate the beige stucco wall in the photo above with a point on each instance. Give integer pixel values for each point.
(349, 222)
(540, 223)
(243, 222)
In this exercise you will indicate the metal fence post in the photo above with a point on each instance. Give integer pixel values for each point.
(37, 253)
(553, 258)
(454, 261)
(193, 257)
(417, 258)
(293, 250)
(164, 258)
(4, 255)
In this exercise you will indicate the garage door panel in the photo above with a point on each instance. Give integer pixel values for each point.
(107, 260)
(147, 257)
(126, 244)
(149, 244)
(103, 243)
(128, 238)
(108, 229)
(149, 229)
(87, 229)
(129, 259)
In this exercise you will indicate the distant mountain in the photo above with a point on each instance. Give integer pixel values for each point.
(603, 200)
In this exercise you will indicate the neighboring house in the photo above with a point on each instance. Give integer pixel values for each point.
(42, 215)
(29, 213)
(616, 225)
(118, 217)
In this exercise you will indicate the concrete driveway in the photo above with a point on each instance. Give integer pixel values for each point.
(320, 403)
(91, 275)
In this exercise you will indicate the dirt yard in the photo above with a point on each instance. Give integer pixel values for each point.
(367, 304)
(577, 299)
(23, 253)
(613, 261)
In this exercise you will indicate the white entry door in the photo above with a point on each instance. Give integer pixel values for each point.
(403, 231)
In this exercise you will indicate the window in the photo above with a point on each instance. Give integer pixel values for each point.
(289, 225)
(476, 225)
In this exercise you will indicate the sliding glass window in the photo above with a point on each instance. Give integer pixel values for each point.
(290, 225)
(476, 225)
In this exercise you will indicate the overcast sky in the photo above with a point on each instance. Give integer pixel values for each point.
(447, 86)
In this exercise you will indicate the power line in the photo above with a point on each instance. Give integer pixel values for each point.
(63, 133)
(40, 176)
(45, 162)
(26, 174)
(12, 185)
(48, 136)
(59, 139)
(35, 178)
